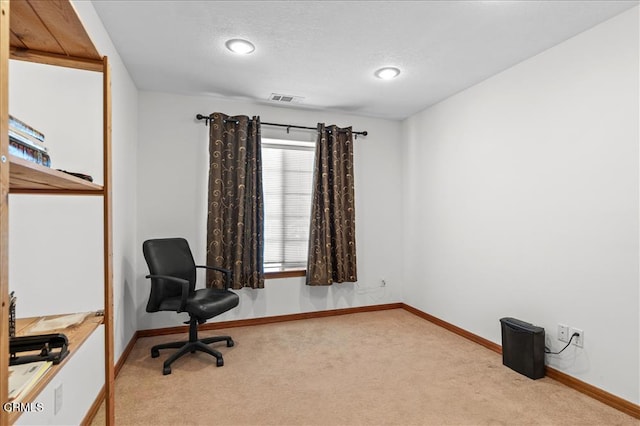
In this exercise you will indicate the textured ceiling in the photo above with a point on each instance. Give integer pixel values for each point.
(326, 51)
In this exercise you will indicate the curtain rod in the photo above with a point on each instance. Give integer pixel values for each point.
(288, 126)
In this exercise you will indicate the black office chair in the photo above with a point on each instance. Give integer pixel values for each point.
(173, 280)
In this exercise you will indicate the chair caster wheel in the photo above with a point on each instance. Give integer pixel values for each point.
(230, 343)
(219, 362)
(155, 353)
(166, 370)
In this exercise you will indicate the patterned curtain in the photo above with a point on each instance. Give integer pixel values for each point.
(235, 220)
(332, 238)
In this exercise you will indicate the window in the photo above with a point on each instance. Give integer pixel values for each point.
(287, 176)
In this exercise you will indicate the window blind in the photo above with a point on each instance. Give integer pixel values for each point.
(287, 176)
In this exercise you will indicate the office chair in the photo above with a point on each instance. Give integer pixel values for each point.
(173, 280)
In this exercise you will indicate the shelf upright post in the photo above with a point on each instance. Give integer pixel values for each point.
(4, 209)
(109, 381)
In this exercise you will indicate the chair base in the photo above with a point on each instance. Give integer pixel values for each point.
(191, 346)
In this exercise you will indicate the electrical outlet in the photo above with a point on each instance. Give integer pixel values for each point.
(579, 339)
(57, 397)
(563, 333)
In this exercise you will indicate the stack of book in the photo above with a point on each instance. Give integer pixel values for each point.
(26, 142)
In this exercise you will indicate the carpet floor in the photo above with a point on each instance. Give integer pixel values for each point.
(377, 368)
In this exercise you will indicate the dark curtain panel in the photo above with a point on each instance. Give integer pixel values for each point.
(332, 238)
(235, 220)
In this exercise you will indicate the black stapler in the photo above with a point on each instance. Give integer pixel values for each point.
(51, 347)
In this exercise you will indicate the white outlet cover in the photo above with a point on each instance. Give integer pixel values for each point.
(577, 341)
(563, 333)
(57, 405)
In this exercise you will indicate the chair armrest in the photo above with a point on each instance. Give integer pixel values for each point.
(184, 284)
(227, 274)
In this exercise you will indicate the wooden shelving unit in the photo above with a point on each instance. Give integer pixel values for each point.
(50, 32)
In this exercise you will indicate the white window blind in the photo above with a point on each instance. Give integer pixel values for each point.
(287, 177)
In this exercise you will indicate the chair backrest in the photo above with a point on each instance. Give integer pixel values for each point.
(168, 256)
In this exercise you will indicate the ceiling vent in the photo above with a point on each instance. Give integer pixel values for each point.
(285, 99)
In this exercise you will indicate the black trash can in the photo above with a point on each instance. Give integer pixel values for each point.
(523, 347)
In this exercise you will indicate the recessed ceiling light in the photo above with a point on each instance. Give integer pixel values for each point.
(240, 46)
(387, 73)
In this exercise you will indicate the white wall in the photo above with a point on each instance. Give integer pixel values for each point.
(172, 188)
(56, 261)
(522, 201)
(124, 139)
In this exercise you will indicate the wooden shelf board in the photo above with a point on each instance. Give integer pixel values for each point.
(50, 26)
(30, 55)
(27, 176)
(76, 335)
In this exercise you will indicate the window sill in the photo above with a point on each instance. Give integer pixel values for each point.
(287, 273)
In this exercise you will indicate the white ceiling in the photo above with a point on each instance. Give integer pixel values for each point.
(327, 51)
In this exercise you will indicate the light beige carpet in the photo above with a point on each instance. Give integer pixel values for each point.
(378, 368)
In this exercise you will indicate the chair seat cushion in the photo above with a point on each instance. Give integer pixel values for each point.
(204, 303)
